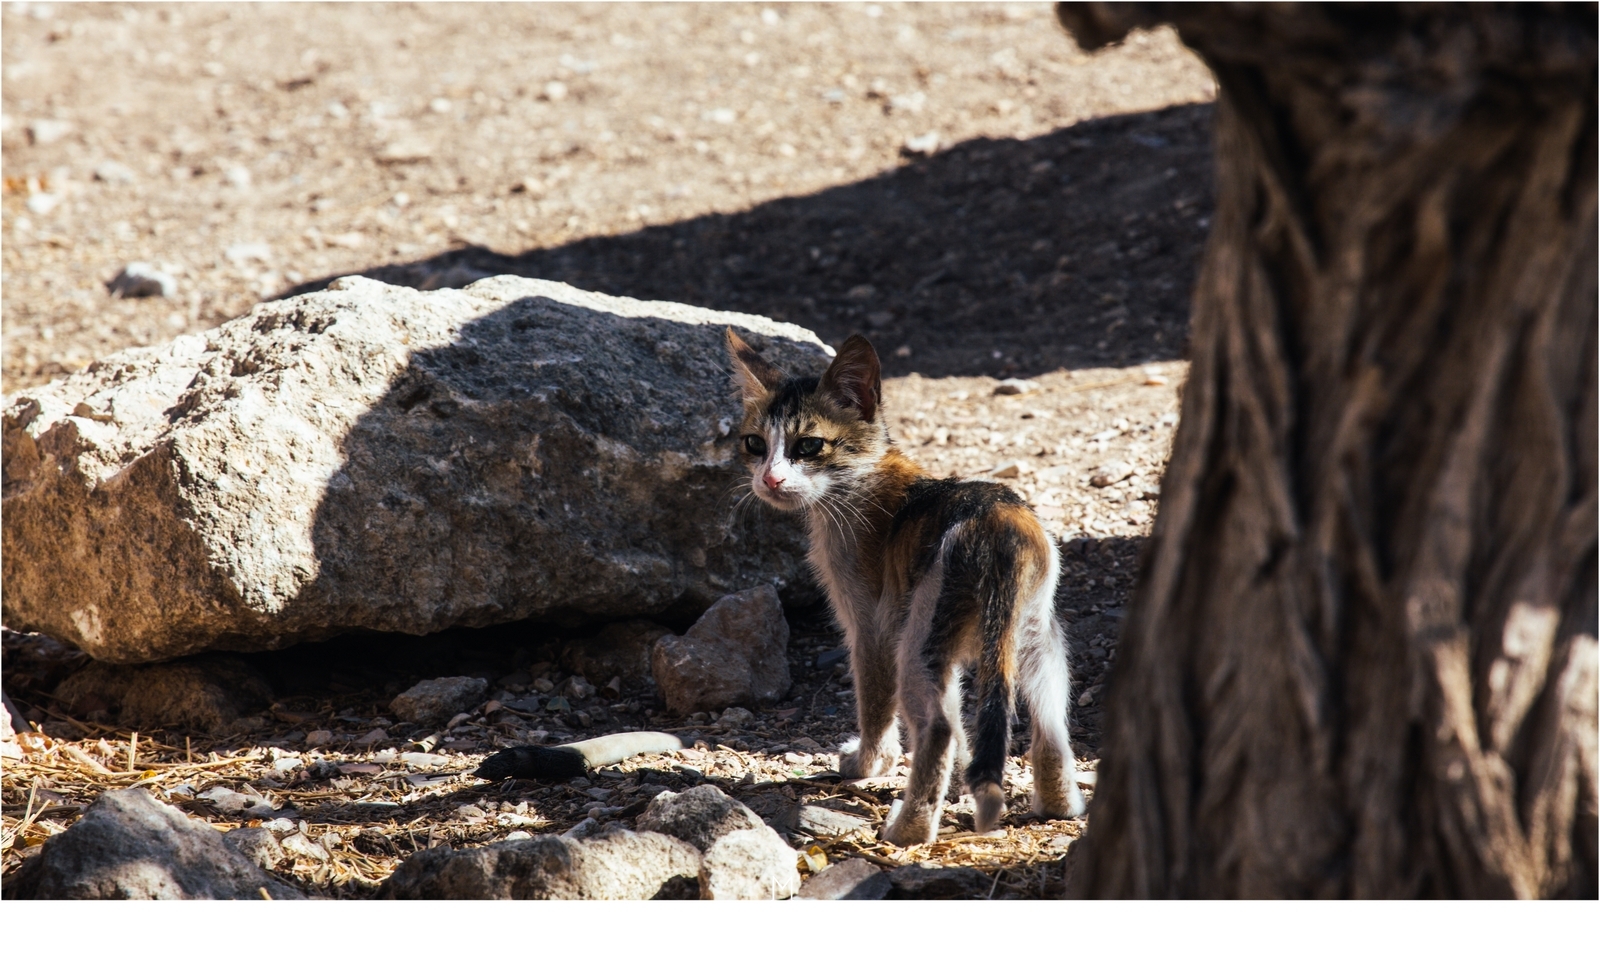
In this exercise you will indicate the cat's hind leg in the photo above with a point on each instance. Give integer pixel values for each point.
(1046, 684)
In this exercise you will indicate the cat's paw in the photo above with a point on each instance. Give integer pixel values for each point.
(854, 764)
(908, 825)
(990, 803)
(1059, 806)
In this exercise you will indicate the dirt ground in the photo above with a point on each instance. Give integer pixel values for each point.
(960, 183)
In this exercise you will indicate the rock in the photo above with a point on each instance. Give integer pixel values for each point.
(853, 878)
(744, 859)
(1110, 473)
(437, 699)
(735, 717)
(929, 882)
(1012, 388)
(233, 802)
(620, 650)
(822, 822)
(699, 816)
(736, 653)
(617, 864)
(753, 864)
(924, 145)
(207, 692)
(259, 845)
(112, 171)
(376, 457)
(128, 845)
(299, 846)
(139, 280)
(319, 737)
(43, 132)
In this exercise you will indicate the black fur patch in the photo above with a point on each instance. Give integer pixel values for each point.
(534, 763)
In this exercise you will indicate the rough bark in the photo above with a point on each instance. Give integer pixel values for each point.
(1361, 657)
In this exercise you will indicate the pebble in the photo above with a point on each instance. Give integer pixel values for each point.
(139, 279)
(736, 717)
(319, 737)
(247, 251)
(112, 171)
(555, 91)
(423, 761)
(237, 176)
(1011, 388)
(924, 145)
(1110, 474)
(42, 203)
(43, 132)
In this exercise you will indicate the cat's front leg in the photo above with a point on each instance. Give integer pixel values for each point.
(878, 748)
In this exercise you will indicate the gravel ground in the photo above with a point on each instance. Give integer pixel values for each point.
(995, 209)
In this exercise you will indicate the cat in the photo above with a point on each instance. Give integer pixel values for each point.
(928, 578)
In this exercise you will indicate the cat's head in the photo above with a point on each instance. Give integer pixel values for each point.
(804, 438)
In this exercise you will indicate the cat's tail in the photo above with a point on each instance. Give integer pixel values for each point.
(1013, 548)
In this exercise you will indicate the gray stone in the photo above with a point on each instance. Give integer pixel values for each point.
(699, 815)
(207, 692)
(821, 822)
(139, 280)
(933, 882)
(853, 878)
(259, 845)
(128, 845)
(737, 653)
(617, 864)
(620, 650)
(437, 699)
(371, 456)
(750, 864)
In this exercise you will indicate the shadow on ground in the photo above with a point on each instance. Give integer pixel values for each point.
(995, 257)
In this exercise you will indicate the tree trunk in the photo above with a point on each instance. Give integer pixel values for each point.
(1361, 657)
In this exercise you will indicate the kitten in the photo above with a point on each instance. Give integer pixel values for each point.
(929, 578)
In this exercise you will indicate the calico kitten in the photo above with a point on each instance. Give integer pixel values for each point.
(929, 578)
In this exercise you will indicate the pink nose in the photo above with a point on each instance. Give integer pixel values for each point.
(772, 481)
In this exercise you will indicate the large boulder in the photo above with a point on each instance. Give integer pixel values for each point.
(128, 845)
(376, 457)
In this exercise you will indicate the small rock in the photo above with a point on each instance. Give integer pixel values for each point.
(751, 864)
(736, 653)
(579, 688)
(139, 280)
(554, 91)
(233, 802)
(373, 737)
(927, 882)
(615, 864)
(853, 878)
(699, 815)
(238, 176)
(822, 822)
(248, 251)
(807, 743)
(259, 845)
(424, 761)
(828, 659)
(42, 203)
(128, 845)
(43, 132)
(112, 171)
(299, 846)
(924, 145)
(1110, 473)
(557, 703)
(1009, 469)
(544, 685)
(1011, 388)
(319, 737)
(436, 700)
(735, 717)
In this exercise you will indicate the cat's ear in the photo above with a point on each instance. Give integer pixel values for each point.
(853, 379)
(756, 376)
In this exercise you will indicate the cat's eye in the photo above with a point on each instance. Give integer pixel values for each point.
(806, 447)
(755, 444)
